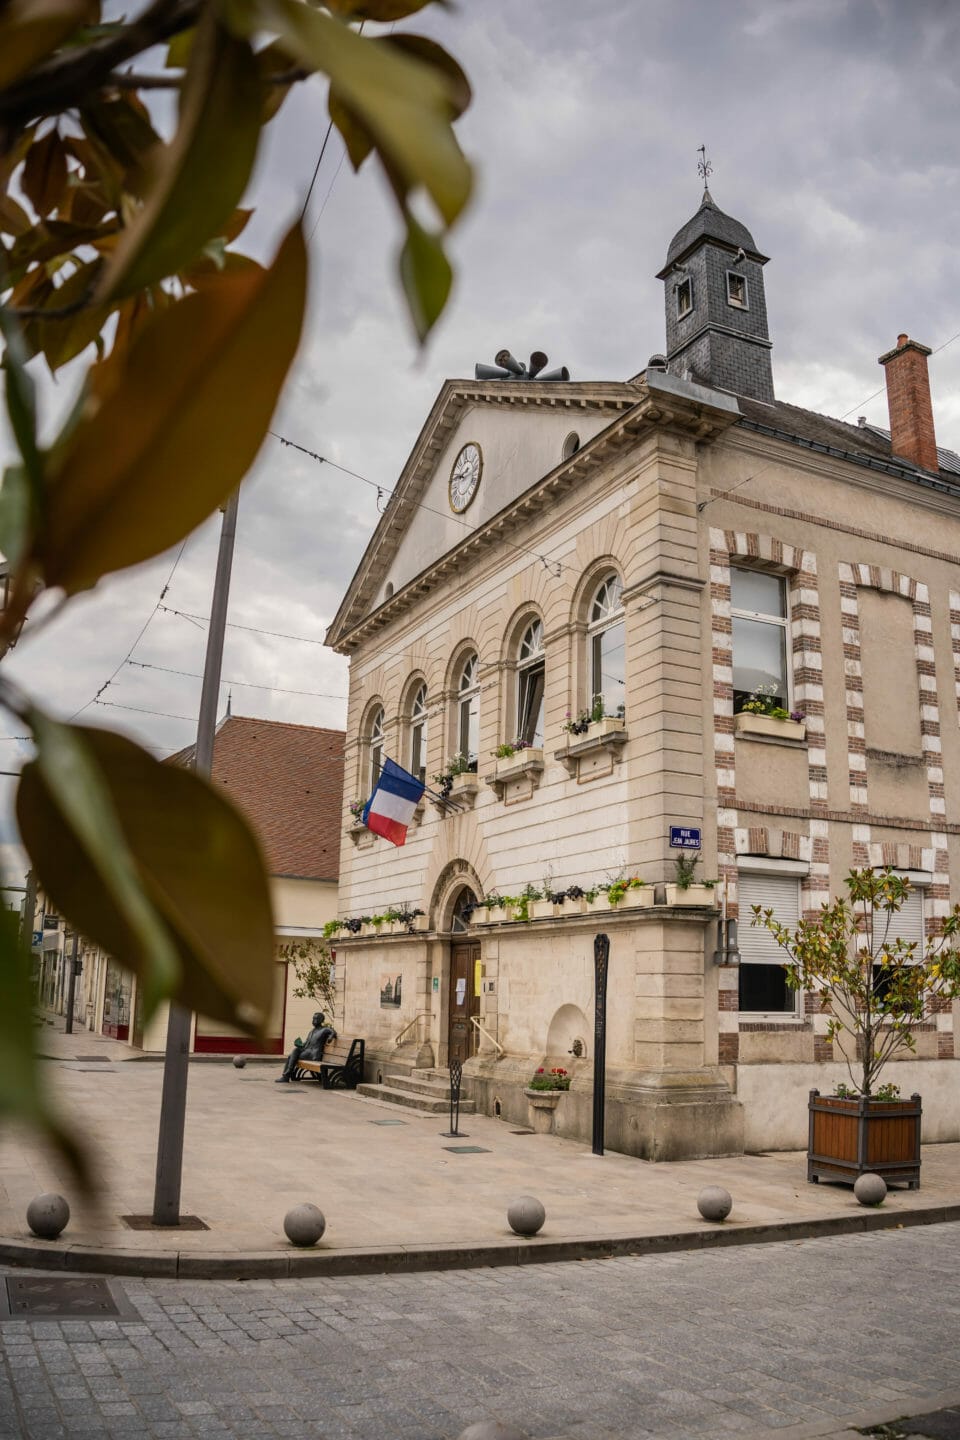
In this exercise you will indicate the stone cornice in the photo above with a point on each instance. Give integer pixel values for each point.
(643, 409)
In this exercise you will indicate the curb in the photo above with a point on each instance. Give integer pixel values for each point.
(302, 1264)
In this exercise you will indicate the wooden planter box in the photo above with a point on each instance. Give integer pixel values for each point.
(852, 1137)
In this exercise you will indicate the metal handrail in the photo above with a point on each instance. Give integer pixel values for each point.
(495, 1043)
(398, 1038)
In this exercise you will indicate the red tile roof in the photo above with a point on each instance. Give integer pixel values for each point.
(288, 781)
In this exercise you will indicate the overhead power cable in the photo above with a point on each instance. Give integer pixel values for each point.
(555, 567)
(164, 714)
(244, 684)
(235, 625)
(143, 631)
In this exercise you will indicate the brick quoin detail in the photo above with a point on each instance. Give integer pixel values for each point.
(945, 1045)
(730, 1049)
(823, 1048)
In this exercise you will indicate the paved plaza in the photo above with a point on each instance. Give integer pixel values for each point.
(392, 1187)
(792, 1340)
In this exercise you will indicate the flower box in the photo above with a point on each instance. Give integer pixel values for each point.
(465, 784)
(572, 907)
(512, 767)
(542, 1104)
(609, 725)
(849, 1137)
(542, 910)
(639, 897)
(600, 903)
(500, 914)
(367, 930)
(693, 895)
(747, 723)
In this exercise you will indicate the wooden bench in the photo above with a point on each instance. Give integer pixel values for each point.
(340, 1068)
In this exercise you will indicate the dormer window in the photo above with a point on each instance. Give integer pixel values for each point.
(684, 298)
(736, 289)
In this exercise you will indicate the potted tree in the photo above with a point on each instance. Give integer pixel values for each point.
(875, 989)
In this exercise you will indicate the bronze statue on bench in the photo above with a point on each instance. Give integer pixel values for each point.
(311, 1049)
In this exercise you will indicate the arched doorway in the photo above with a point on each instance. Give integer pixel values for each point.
(463, 999)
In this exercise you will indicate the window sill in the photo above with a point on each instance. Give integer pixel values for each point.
(515, 777)
(765, 727)
(604, 739)
(360, 835)
(463, 792)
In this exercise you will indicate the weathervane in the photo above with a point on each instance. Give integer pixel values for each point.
(704, 166)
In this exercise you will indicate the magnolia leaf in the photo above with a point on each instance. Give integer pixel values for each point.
(122, 127)
(14, 220)
(67, 819)
(419, 47)
(355, 135)
(403, 103)
(22, 1094)
(195, 865)
(426, 275)
(202, 174)
(178, 51)
(31, 29)
(44, 175)
(382, 10)
(21, 403)
(176, 426)
(15, 510)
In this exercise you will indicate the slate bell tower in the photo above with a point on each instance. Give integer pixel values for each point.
(716, 310)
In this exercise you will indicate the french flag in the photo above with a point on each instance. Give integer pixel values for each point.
(390, 808)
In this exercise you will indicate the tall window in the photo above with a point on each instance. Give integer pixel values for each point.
(607, 636)
(418, 734)
(906, 924)
(530, 681)
(763, 980)
(758, 603)
(375, 749)
(468, 710)
(684, 298)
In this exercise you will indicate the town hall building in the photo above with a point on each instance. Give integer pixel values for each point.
(608, 616)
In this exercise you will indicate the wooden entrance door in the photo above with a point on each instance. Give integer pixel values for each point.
(464, 1002)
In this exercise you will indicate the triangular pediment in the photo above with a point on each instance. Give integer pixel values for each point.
(520, 431)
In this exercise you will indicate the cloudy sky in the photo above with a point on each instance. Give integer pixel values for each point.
(831, 126)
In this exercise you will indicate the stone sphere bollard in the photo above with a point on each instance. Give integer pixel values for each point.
(492, 1430)
(304, 1224)
(870, 1189)
(239, 1061)
(714, 1203)
(525, 1215)
(47, 1215)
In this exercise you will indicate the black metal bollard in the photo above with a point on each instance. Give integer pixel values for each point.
(601, 957)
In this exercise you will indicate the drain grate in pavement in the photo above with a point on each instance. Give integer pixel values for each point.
(467, 1150)
(523, 1132)
(35, 1297)
(388, 1122)
(145, 1222)
(104, 1059)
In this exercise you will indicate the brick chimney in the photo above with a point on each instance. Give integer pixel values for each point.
(908, 400)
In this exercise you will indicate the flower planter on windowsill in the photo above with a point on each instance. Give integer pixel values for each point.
(639, 897)
(572, 907)
(542, 910)
(765, 725)
(608, 734)
(850, 1137)
(525, 766)
(359, 834)
(693, 895)
(500, 914)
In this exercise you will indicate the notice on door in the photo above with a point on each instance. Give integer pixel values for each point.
(461, 990)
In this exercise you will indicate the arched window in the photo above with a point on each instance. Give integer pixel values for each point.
(607, 637)
(418, 733)
(530, 682)
(468, 711)
(462, 910)
(375, 749)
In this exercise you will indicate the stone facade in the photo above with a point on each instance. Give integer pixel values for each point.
(674, 489)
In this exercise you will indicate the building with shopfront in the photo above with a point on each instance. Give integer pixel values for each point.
(625, 579)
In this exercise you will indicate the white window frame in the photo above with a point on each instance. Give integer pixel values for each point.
(685, 285)
(375, 749)
(468, 702)
(783, 621)
(761, 868)
(531, 656)
(418, 732)
(609, 616)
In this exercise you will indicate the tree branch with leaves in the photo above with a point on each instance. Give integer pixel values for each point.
(877, 988)
(118, 251)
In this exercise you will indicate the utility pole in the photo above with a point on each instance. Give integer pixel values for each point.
(72, 985)
(173, 1100)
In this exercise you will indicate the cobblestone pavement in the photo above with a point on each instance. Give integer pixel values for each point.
(810, 1334)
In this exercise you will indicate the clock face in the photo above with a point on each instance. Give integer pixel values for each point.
(465, 477)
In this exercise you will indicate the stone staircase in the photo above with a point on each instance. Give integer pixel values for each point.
(426, 1091)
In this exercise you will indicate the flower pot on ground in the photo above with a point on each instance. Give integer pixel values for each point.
(851, 1135)
(875, 991)
(541, 1107)
(690, 895)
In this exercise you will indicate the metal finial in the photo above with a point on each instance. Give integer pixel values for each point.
(704, 167)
